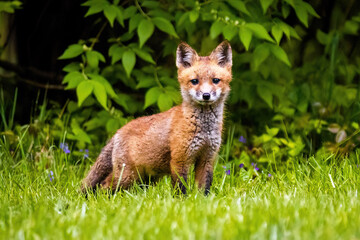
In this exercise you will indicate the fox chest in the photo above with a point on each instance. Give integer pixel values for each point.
(206, 135)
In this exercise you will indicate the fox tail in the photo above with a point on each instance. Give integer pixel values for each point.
(100, 170)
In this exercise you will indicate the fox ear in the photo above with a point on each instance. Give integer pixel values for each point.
(185, 55)
(222, 54)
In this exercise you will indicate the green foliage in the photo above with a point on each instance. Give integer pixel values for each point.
(9, 6)
(283, 77)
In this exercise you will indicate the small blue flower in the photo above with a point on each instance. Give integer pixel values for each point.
(227, 172)
(255, 166)
(242, 139)
(269, 175)
(51, 176)
(86, 152)
(65, 147)
(241, 165)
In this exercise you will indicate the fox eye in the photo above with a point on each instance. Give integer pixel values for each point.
(194, 81)
(216, 80)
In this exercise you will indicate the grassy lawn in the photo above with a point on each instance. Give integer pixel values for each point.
(308, 199)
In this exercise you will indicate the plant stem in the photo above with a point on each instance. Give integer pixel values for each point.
(140, 9)
(98, 35)
(157, 79)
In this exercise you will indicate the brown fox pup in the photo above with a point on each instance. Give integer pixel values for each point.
(169, 143)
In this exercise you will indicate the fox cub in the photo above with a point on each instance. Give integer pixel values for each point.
(169, 143)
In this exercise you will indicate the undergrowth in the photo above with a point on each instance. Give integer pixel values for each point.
(314, 198)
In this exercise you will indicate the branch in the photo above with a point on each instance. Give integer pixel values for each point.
(28, 72)
(33, 83)
(98, 35)
(140, 9)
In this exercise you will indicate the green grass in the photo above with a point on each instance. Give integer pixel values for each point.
(299, 202)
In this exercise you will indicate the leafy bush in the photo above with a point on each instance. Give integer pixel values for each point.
(295, 87)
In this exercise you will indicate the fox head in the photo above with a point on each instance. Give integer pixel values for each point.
(204, 80)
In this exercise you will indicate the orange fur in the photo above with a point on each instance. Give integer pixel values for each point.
(169, 143)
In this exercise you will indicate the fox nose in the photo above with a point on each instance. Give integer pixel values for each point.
(206, 96)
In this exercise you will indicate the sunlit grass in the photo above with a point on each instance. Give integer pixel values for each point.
(311, 199)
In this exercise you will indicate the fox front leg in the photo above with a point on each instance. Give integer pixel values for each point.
(204, 169)
(179, 174)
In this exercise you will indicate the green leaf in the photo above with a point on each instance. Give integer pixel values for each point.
(112, 125)
(285, 10)
(116, 52)
(164, 102)
(146, 82)
(72, 67)
(72, 51)
(277, 32)
(72, 75)
(301, 13)
(229, 32)
(134, 22)
(110, 13)
(193, 15)
(351, 27)
(216, 28)
(128, 61)
(272, 131)
(100, 56)
(144, 55)
(165, 26)
(152, 96)
(245, 36)
(81, 135)
(120, 16)
(285, 28)
(5, 7)
(74, 83)
(95, 7)
(100, 93)
(260, 54)
(183, 20)
(126, 37)
(247, 93)
(265, 4)
(83, 91)
(9, 7)
(125, 101)
(73, 79)
(310, 9)
(92, 59)
(322, 37)
(109, 89)
(145, 30)
(265, 94)
(294, 34)
(355, 125)
(280, 54)
(259, 31)
(90, 3)
(151, 4)
(239, 5)
(174, 94)
(129, 12)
